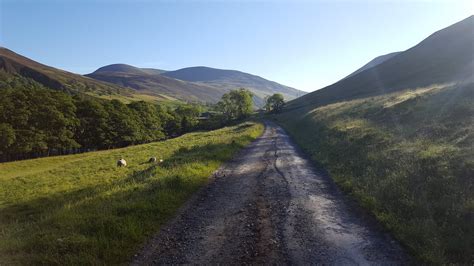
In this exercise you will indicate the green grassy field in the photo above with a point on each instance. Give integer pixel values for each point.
(82, 209)
(407, 157)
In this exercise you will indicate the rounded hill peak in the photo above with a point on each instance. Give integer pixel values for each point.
(121, 68)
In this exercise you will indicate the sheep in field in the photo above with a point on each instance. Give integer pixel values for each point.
(121, 163)
(152, 160)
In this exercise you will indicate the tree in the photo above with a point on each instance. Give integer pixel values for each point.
(124, 124)
(7, 137)
(188, 114)
(42, 120)
(36, 121)
(275, 103)
(150, 121)
(236, 104)
(94, 127)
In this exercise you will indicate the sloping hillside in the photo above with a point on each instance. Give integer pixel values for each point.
(201, 84)
(231, 79)
(407, 157)
(53, 78)
(399, 137)
(376, 61)
(149, 81)
(15, 66)
(444, 57)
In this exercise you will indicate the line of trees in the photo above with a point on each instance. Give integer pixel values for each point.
(36, 121)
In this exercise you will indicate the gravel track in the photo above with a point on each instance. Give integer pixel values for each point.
(270, 205)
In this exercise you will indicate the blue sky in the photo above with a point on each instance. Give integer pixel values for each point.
(303, 44)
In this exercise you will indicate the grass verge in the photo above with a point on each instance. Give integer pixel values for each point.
(407, 157)
(82, 209)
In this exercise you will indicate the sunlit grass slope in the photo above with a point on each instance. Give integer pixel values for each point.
(82, 209)
(408, 157)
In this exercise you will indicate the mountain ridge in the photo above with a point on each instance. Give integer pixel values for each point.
(147, 80)
(445, 56)
(54, 78)
(229, 79)
(374, 62)
(200, 83)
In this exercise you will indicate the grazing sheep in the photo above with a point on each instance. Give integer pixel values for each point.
(121, 163)
(161, 160)
(152, 160)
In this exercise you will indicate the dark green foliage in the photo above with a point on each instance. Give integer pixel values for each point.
(188, 114)
(94, 121)
(42, 120)
(7, 136)
(151, 118)
(36, 121)
(236, 104)
(275, 103)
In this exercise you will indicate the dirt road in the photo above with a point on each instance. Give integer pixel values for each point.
(270, 205)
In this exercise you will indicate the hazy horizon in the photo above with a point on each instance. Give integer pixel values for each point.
(305, 45)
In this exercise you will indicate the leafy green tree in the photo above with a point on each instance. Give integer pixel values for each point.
(7, 137)
(275, 103)
(94, 128)
(124, 125)
(55, 117)
(236, 104)
(37, 121)
(172, 124)
(188, 115)
(43, 120)
(149, 120)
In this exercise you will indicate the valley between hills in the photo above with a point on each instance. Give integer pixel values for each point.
(376, 168)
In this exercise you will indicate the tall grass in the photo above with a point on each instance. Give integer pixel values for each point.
(407, 157)
(82, 209)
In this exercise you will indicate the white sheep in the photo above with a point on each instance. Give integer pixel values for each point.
(152, 160)
(121, 163)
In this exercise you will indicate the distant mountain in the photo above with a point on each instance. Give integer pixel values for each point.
(121, 68)
(447, 56)
(129, 83)
(150, 81)
(376, 61)
(231, 79)
(202, 84)
(15, 64)
(128, 69)
(153, 71)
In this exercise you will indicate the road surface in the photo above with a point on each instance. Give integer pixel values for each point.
(270, 205)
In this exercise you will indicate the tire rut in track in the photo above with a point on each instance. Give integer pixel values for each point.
(269, 205)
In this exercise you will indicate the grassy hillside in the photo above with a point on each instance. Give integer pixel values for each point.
(446, 56)
(408, 157)
(82, 209)
(374, 62)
